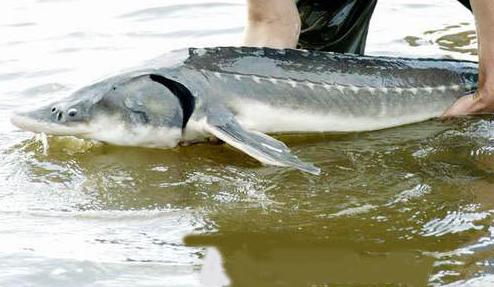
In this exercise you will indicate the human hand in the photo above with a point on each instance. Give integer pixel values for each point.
(483, 101)
(478, 103)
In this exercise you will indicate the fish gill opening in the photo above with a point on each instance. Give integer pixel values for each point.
(185, 97)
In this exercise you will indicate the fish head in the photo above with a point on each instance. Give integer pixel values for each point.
(68, 116)
(114, 110)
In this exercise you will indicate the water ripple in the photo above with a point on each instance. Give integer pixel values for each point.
(185, 33)
(171, 10)
(454, 222)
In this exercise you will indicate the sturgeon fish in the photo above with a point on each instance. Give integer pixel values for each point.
(241, 94)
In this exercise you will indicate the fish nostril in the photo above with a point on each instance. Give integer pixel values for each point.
(54, 109)
(59, 116)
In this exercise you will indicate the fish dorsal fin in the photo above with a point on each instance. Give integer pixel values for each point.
(222, 124)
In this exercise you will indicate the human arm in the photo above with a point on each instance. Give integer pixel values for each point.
(273, 23)
(483, 101)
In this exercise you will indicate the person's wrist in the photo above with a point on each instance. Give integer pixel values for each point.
(484, 98)
(277, 27)
(279, 12)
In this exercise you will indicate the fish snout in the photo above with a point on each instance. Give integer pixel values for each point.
(28, 119)
(53, 121)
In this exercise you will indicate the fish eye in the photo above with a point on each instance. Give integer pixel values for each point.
(72, 112)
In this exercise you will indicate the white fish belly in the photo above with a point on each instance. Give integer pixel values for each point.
(270, 119)
(113, 131)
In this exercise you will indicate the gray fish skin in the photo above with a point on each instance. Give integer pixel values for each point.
(344, 93)
(234, 93)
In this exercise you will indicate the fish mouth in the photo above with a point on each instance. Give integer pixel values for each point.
(27, 123)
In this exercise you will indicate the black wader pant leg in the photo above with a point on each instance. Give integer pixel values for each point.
(466, 3)
(335, 25)
(338, 25)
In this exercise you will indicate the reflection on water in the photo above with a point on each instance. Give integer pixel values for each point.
(411, 205)
(453, 38)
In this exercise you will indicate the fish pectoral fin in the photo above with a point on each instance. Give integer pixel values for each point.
(258, 145)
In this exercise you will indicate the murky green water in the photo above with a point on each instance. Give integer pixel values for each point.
(410, 205)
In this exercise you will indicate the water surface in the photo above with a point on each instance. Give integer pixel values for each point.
(411, 205)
